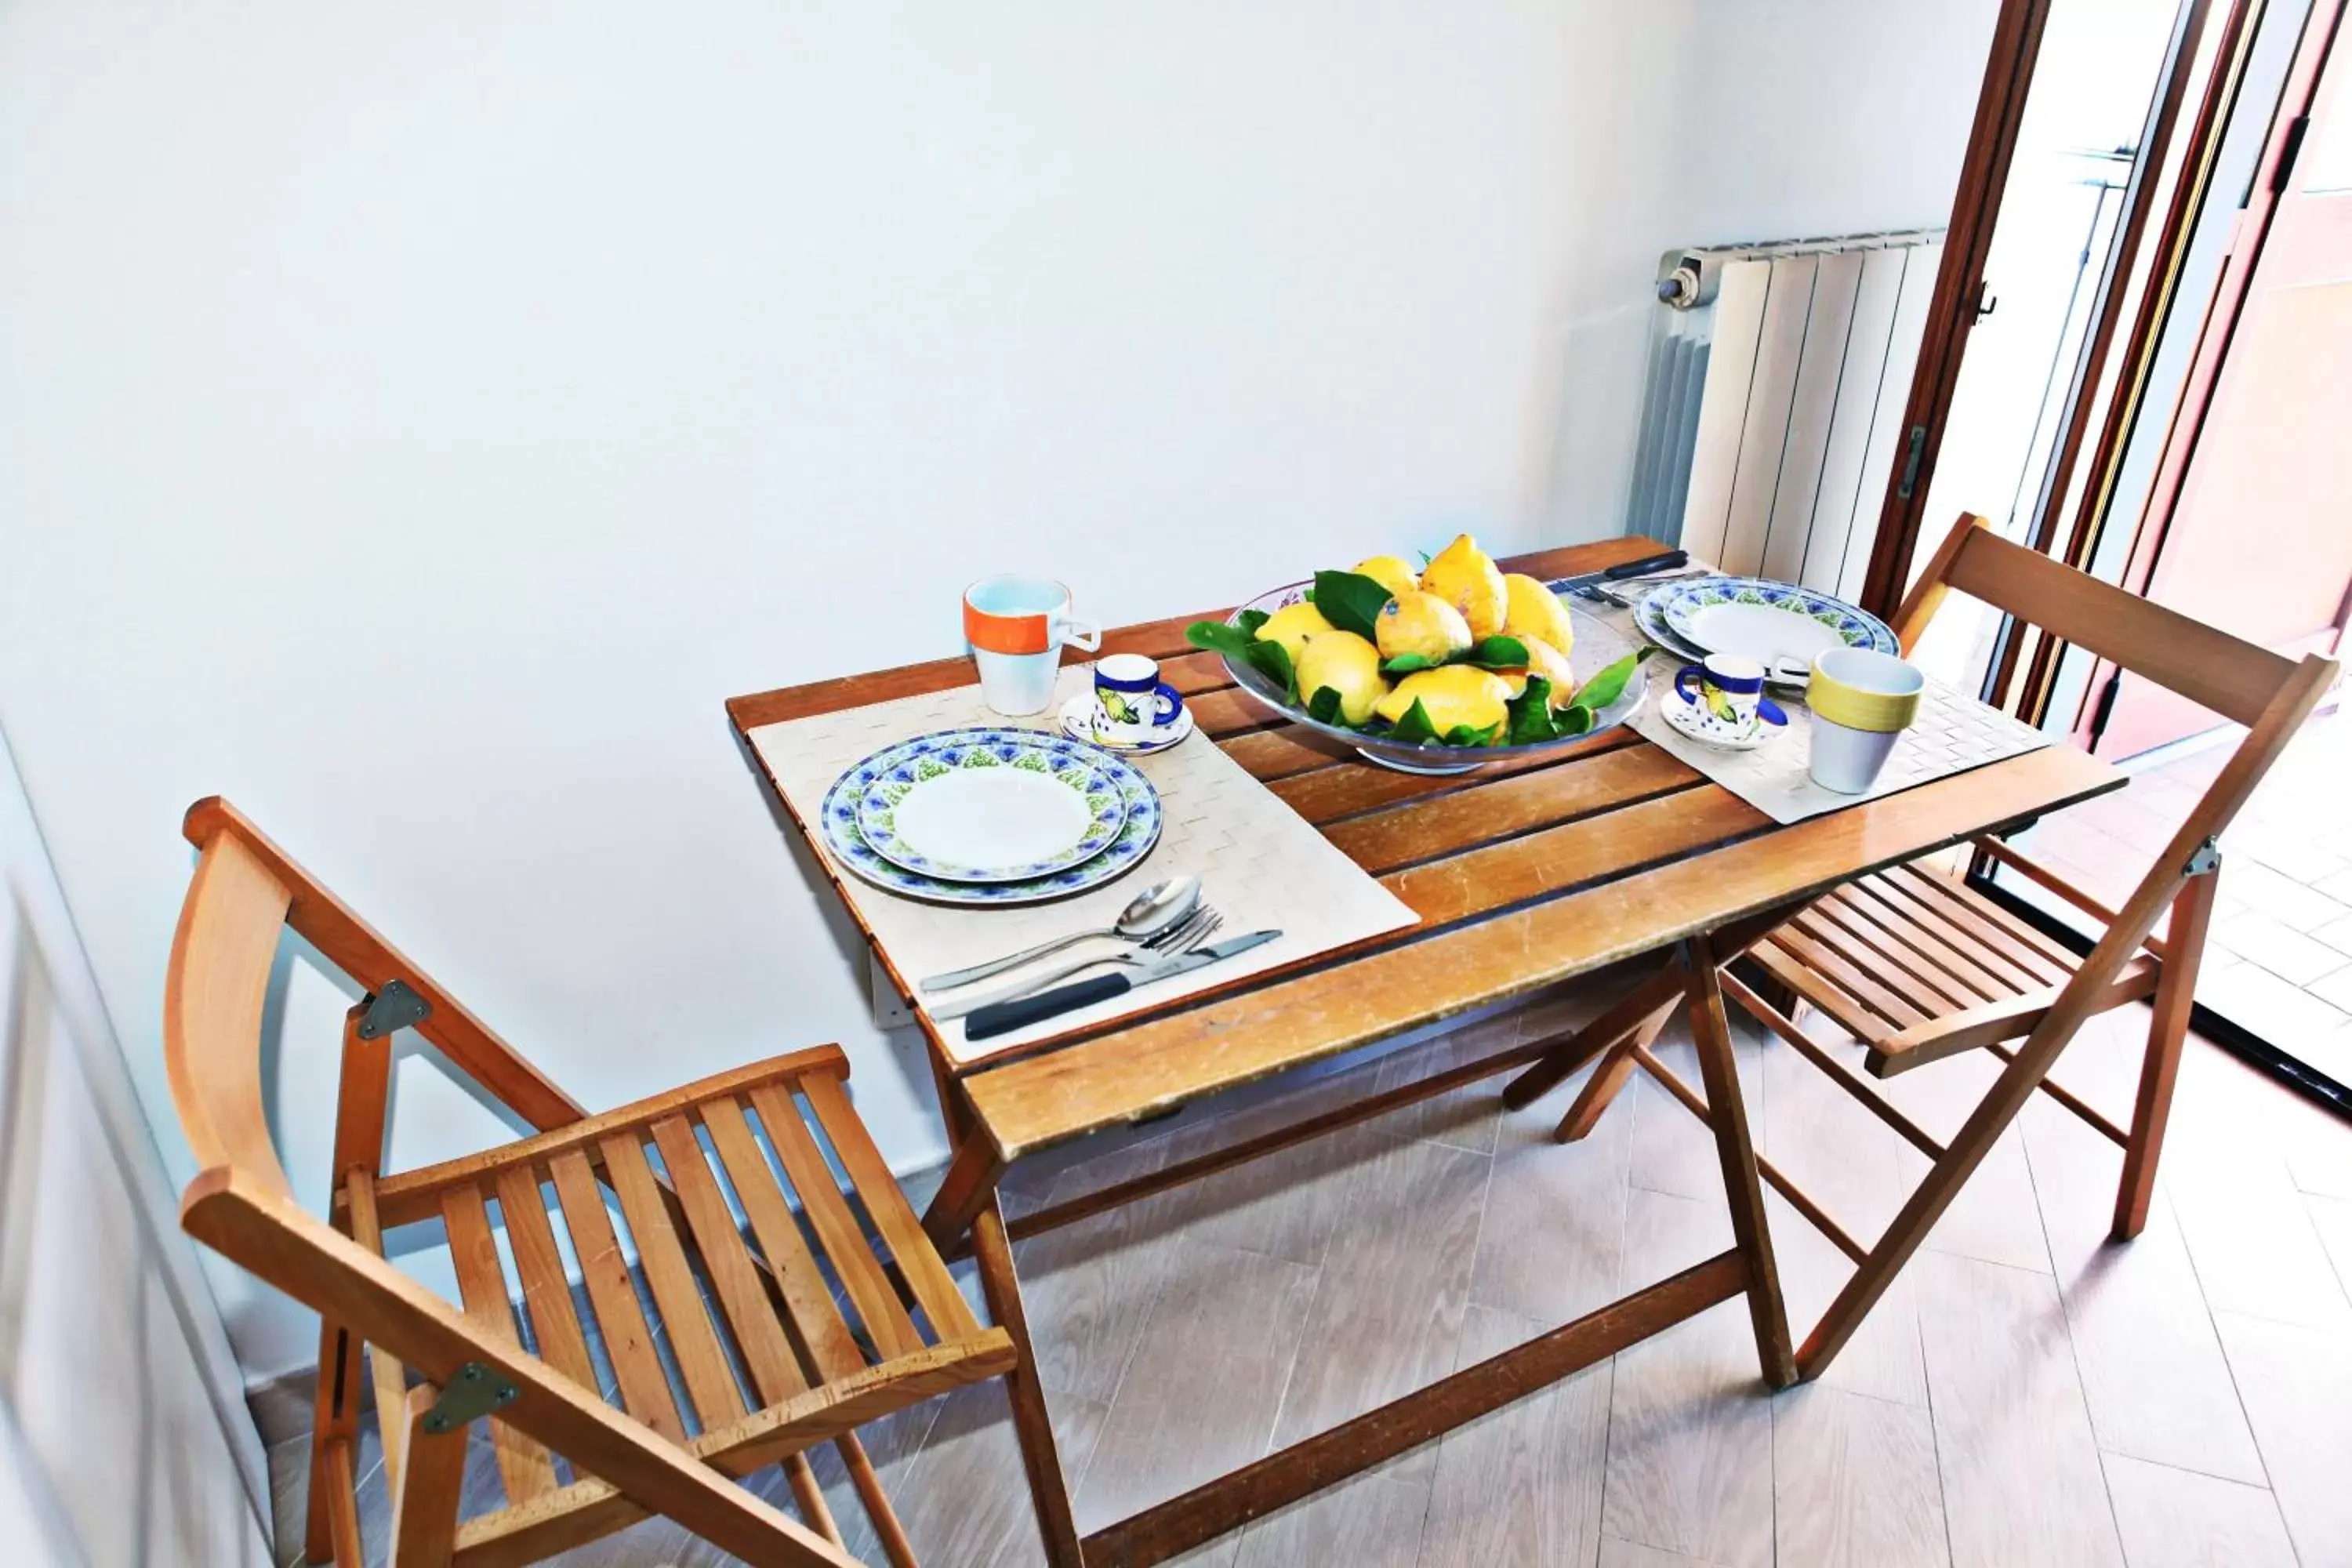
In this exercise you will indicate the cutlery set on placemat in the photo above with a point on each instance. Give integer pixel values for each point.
(991, 817)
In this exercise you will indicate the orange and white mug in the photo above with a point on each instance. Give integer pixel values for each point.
(1016, 626)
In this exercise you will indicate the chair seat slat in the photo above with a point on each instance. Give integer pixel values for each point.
(822, 1333)
(918, 1262)
(734, 1277)
(837, 1230)
(523, 1463)
(546, 1293)
(709, 1381)
(620, 1319)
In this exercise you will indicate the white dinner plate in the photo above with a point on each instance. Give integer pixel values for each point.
(1005, 808)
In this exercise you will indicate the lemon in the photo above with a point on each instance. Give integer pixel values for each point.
(1389, 572)
(1418, 623)
(1533, 611)
(1291, 626)
(1552, 663)
(1462, 576)
(1458, 694)
(1347, 664)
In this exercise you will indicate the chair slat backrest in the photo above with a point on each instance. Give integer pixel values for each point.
(2234, 677)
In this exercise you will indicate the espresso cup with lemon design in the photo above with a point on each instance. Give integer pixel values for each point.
(1862, 703)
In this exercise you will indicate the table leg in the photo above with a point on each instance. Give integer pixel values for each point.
(1720, 1072)
(1663, 989)
(1610, 1076)
(1032, 1425)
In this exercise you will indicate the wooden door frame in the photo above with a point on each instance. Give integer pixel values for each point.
(1952, 307)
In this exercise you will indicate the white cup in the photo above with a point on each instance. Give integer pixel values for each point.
(1862, 703)
(1016, 626)
(1848, 760)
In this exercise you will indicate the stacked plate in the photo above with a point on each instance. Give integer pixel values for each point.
(990, 816)
(1780, 624)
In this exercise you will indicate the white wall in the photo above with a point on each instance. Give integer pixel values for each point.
(125, 1437)
(416, 420)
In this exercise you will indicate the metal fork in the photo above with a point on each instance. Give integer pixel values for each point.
(1180, 938)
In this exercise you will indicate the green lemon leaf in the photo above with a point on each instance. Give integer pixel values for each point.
(1575, 719)
(1609, 685)
(1498, 652)
(1235, 642)
(1324, 706)
(1349, 601)
(1272, 660)
(1532, 719)
(1463, 736)
(1250, 620)
(1406, 663)
(1415, 729)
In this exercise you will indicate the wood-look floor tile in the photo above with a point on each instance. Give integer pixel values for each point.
(1553, 1238)
(2296, 1384)
(1366, 1521)
(1852, 1165)
(892, 1446)
(1464, 1117)
(1387, 1316)
(965, 1500)
(1855, 1482)
(1521, 1487)
(1287, 1204)
(2177, 1519)
(2332, 1218)
(1616, 1553)
(1993, 1218)
(1690, 1425)
(1089, 1286)
(1201, 1393)
(1883, 1358)
(2153, 1374)
(2252, 1239)
(1674, 1151)
(2021, 1469)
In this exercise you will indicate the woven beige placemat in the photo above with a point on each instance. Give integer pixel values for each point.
(1259, 862)
(1953, 733)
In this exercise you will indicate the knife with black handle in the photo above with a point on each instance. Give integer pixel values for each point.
(1582, 584)
(1003, 1018)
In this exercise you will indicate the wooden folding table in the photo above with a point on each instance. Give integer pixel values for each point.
(1523, 874)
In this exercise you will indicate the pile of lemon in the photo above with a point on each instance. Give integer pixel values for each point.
(1432, 617)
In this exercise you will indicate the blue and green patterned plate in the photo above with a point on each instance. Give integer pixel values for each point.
(1012, 808)
(1765, 620)
(837, 825)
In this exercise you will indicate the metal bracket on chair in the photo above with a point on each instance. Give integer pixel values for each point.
(2205, 859)
(395, 1006)
(466, 1398)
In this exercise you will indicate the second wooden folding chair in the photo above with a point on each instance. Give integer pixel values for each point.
(1919, 966)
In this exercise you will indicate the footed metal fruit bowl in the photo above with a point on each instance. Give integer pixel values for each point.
(1597, 648)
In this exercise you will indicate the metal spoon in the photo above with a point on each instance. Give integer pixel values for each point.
(1154, 909)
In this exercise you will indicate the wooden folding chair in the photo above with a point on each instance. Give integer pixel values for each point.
(767, 1362)
(1919, 966)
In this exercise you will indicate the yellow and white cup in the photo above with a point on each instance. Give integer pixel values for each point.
(1862, 702)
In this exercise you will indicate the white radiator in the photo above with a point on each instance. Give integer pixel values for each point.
(1773, 413)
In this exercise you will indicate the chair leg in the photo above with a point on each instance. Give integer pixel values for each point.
(884, 1518)
(432, 1473)
(341, 1505)
(2168, 1031)
(1601, 1089)
(1032, 1425)
(1728, 1114)
(334, 1419)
